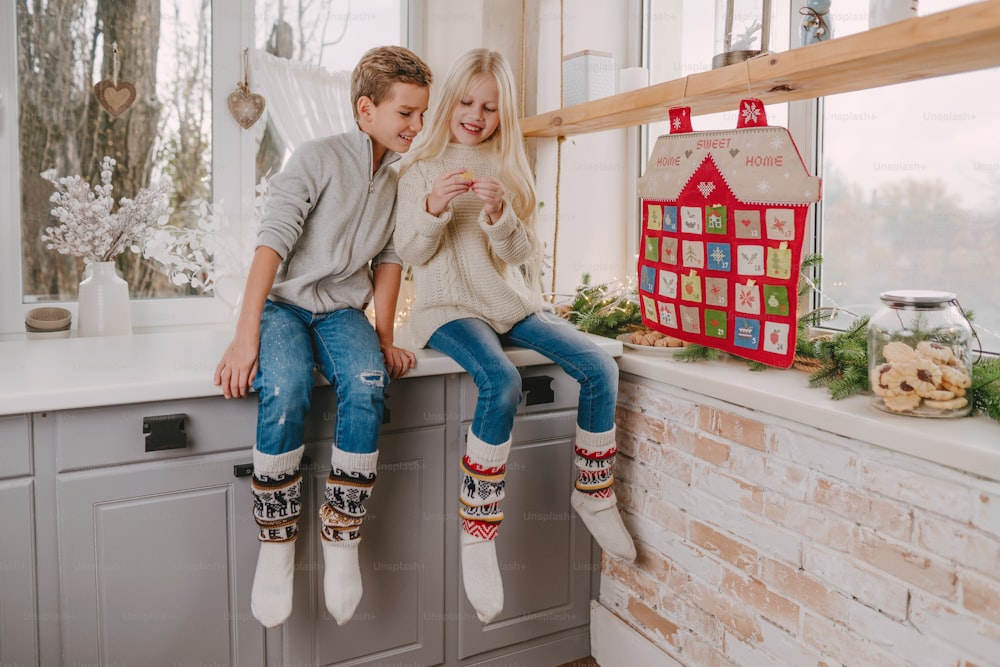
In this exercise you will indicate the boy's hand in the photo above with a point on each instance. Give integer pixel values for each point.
(490, 191)
(448, 185)
(237, 368)
(398, 361)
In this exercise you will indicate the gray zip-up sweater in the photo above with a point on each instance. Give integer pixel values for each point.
(330, 222)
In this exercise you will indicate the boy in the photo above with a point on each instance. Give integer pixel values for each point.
(326, 229)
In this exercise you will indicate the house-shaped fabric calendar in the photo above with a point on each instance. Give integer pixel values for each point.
(723, 223)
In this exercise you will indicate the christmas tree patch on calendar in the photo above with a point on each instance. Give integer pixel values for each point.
(723, 224)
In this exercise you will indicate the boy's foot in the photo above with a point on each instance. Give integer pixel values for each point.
(341, 579)
(481, 577)
(271, 596)
(604, 522)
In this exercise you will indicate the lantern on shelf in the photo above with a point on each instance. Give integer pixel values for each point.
(742, 29)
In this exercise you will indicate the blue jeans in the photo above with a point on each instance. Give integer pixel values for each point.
(479, 350)
(343, 346)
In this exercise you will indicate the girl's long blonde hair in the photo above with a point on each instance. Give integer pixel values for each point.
(507, 142)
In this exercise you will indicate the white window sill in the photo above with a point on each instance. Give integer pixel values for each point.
(968, 444)
(165, 363)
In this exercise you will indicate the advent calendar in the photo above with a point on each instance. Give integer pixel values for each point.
(723, 223)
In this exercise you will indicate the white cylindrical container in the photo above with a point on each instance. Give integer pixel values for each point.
(882, 12)
(103, 304)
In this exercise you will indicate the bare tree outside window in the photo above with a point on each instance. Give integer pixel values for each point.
(64, 48)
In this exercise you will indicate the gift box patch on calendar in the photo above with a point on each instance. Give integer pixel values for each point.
(723, 223)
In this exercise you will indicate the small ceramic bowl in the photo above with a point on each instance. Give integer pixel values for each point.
(48, 322)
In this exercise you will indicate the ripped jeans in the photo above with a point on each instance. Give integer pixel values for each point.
(343, 347)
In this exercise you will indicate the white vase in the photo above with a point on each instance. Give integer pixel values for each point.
(103, 306)
(881, 12)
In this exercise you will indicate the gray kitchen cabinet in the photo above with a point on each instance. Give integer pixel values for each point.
(545, 552)
(144, 544)
(400, 619)
(156, 548)
(18, 608)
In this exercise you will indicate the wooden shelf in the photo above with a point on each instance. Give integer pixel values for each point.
(957, 40)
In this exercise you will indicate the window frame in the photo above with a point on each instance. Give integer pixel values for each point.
(10, 222)
(233, 175)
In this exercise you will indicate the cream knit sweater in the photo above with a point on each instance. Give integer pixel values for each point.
(462, 266)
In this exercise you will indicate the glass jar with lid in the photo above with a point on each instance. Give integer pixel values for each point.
(920, 354)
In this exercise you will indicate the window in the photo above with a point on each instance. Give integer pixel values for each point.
(161, 56)
(178, 126)
(910, 182)
(910, 174)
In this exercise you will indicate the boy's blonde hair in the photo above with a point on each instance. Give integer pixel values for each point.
(507, 142)
(383, 66)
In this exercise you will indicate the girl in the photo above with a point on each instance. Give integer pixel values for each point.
(465, 223)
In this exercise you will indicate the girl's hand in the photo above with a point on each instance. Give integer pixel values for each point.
(490, 191)
(448, 185)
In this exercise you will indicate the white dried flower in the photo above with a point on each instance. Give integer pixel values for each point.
(201, 254)
(90, 227)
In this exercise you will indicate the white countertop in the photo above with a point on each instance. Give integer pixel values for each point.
(59, 374)
(38, 375)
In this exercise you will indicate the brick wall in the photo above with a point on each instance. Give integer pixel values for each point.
(765, 542)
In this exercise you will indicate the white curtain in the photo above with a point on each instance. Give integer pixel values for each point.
(301, 101)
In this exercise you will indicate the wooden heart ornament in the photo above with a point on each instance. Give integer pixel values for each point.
(245, 106)
(116, 98)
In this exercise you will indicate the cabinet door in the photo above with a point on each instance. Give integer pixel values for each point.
(401, 614)
(18, 608)
(156, 564)
(543, 548)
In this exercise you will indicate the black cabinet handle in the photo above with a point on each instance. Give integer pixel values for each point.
(242, 470)
(538, 389)
(164, 432)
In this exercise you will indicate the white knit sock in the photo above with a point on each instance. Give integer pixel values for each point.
(483, 472)
(481, 576)
(602, 519)
(341, 579)
(271, 596)
(276, 486)
(349, 485)
(594, 499)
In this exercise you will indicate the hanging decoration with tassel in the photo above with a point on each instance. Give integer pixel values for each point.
(245, 106)
(113, 95)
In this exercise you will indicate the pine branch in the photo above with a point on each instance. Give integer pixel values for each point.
(694, 352)
(844, 359)
(806, 271)
(603, 310)
(984, 394)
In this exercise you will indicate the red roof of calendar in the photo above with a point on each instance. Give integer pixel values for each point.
(759, 163)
